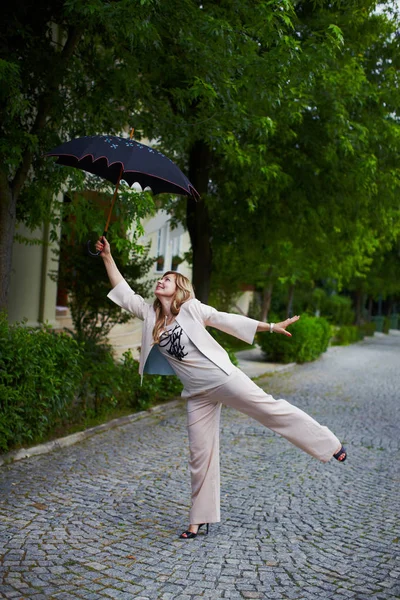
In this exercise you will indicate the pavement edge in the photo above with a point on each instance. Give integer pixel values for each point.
(75, 438)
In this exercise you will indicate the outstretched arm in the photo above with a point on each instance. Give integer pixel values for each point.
(278, 327)
(240, 326)
(114, 275)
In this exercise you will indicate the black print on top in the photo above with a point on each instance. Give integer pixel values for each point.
(171, 341)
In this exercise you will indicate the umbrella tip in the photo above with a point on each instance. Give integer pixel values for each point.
(132, 132)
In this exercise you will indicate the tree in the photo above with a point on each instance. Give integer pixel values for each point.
(93, 315)
(382, 283)
(333, 202)
(201, 98)
(276, 109)
(66, 69)
(280, 108)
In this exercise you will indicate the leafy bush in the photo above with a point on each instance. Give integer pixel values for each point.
(348, 334)
(310, 339)
(108, 386)
(368, 329)
(386, 325)
(39, 375)
(130, 392)
(337, 309)
(93, 314)
(96, 392)
(50, 384)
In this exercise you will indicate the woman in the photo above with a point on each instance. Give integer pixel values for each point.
(175, 340)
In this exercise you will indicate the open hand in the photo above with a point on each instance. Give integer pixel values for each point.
(281, 327)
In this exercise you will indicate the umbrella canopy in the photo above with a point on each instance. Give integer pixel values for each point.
(114, 158)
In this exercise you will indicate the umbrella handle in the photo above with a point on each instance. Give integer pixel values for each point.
(110, 211)
(88, 246)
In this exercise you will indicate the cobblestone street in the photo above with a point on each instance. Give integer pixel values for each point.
(101, 519)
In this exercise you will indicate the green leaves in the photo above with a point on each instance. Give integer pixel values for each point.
(49, 383)
(294, 105)
(310, 339)
(336, 34)
(39, 374)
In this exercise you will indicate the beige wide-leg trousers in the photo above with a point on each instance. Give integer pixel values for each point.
(242, 393)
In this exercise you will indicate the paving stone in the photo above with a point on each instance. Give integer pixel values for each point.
(292, 528)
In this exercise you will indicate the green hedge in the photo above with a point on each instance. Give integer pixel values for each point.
(50, 385)
(348, 334)
(386, 325)
(310, 338)
(155, 388)
(39, 375)
(367, 329)
(338, 309)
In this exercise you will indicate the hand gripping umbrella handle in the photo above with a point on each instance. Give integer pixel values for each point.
(88, 246)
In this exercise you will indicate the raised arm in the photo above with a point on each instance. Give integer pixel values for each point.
(114, 275)
(278, 327)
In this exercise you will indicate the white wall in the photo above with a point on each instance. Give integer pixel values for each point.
(32, 293)
(167, 242)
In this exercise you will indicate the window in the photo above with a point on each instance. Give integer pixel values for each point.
(160, 249)
(175, 252)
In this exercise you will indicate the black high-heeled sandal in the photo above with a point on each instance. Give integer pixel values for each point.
(189, 535)
(340, 453)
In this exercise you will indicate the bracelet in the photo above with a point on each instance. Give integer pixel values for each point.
(271, 327)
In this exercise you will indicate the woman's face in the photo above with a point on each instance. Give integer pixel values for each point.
(166, 286)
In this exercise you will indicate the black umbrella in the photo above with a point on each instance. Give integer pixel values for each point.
(114, 158)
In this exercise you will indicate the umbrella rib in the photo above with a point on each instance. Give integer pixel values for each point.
(113, 200)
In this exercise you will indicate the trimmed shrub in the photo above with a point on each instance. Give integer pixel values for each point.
(386, 325)
(109, 387)
(310, 339)
(348, 334)
(39, 376)
(50, 384)
(368, 329)
(129, 391)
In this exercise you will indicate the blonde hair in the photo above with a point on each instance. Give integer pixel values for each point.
(184, 292)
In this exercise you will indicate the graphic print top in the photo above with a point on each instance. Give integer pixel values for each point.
(194, 369)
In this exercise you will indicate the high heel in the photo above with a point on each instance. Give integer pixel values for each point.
(189, 535)
(341, 455)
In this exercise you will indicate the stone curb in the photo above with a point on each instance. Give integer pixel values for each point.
(75, 438)
(276, 369)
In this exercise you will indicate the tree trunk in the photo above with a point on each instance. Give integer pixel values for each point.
(370, 305)
(358, 295)
(289, 308)
(198, 221)
(266, 299)
(7, 229)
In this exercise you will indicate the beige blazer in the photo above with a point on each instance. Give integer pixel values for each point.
(193, 317)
